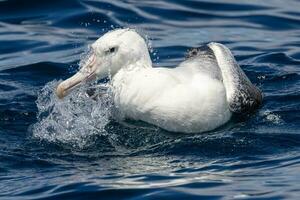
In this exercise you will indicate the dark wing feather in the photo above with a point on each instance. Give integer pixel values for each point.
(242, 95)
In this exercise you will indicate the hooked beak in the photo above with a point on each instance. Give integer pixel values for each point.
(87, 73)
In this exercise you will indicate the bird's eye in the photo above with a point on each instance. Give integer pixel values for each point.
(111, 50)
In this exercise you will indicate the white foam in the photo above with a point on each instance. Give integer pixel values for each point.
(272, 117)
(74, 119)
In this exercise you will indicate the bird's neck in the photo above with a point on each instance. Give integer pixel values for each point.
(143, 62)
(147, 60)
(126, 73)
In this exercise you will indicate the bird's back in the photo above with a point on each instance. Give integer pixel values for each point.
(188, 98)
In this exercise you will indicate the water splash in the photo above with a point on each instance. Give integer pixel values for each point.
(272, 117)
(74, 119)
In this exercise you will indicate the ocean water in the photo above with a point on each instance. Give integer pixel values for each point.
(75, 149)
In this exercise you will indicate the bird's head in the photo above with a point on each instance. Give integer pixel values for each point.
(111, 52)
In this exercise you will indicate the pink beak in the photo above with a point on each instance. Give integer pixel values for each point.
(86, 73)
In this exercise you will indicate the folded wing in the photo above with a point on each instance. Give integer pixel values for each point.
(242, 95)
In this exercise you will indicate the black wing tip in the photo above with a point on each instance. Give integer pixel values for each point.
(242, 105)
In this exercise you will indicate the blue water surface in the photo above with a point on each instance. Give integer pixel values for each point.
(74, 149)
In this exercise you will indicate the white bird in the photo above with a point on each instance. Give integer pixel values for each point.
(199, 95)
